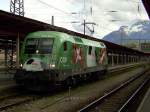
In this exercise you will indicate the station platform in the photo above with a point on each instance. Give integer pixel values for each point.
(6, 79)
(6, 84)
(145, 104)
(123, 65)
(6, 74)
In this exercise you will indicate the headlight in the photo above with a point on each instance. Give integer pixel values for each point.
(21, 65)
(52, 65)
(37, 51)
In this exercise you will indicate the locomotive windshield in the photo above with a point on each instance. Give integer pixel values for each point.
(37, 45)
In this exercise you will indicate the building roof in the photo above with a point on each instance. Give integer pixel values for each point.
(146, 4)
(11, 24)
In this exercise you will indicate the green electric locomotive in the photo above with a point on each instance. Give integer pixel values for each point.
(54, 58)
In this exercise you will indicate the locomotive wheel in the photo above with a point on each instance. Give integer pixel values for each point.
(74, 80)
(98, 75)
(70, 82)
(93, 76)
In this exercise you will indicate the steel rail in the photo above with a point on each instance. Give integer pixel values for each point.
(31, 99)
(14, 104)
(9, 96)
(25, 100)
(126, 104)
(101, 99)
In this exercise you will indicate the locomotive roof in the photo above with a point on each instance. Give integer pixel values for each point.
(64, 37)
(43, 34)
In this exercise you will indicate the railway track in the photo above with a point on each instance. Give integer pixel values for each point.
(113, 100)
(11, 101)
(15, 100)
(20, 98)
(8, 96)
(129, 103)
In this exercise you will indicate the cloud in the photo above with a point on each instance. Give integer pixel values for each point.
(4, 5)
(108, 15)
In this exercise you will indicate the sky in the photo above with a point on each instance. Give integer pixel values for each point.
(107, 15)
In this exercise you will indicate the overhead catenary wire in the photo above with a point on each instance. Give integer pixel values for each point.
(137, 9)
(51, 6)
(136, 1)
(67, 13)
(134, 8)
(138, 5)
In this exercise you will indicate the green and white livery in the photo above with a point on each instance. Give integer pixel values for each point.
(54, 58)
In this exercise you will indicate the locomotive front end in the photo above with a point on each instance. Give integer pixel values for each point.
(38, 62)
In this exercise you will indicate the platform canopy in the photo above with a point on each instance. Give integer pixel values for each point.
(11, 25)
(146, 4)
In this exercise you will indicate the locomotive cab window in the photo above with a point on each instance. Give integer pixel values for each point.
(65, 46)
(43, 46)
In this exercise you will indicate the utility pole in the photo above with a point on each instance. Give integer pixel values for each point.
(121, 43)
(17, 7)
(84, 26)
(52, 20)
(89, 23)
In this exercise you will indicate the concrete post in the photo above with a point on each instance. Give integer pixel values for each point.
(125, 58)
(17, 50)
(109, 58)
(117, 55)
(112, 59)
(6, 58)
(121, 59)
(134, 59)
(12, 53)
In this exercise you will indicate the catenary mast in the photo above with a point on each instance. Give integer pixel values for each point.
(17, 7)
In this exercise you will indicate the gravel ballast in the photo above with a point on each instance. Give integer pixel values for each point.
(77, 98)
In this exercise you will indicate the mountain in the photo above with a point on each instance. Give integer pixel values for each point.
(139, 30)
